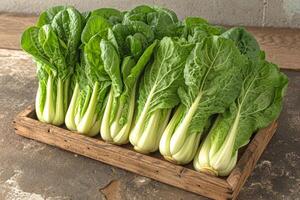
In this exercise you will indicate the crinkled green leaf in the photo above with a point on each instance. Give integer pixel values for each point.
(111, 14)
(111, 62)
(30, 44)
(141, 27)
(52, 48)
(258, 104)
(67, 24)
(95, 25)
(212, 80)
(138, 13)
(246, 43)
(163, 77)
(94, 64)
(131, 74)
(47, 16)
(197, 33)
(164, 22)
(135, 45)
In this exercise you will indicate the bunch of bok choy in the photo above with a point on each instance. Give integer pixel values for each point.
(190, 89)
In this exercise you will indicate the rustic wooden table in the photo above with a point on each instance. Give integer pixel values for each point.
(29, 169)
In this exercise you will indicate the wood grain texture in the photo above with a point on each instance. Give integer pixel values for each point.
(179, 176)
(282, 45)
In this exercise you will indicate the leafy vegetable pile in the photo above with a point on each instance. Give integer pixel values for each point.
(191, 90)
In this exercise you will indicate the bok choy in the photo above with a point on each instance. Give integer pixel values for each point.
(53, 44)
(118, 114)
(258, 104)
(157, 93)
(212, 77)
(145, 77)
(101, 64)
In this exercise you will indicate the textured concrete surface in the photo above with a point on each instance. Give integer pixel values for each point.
(31, 170)
(276, 13)
(285, 12)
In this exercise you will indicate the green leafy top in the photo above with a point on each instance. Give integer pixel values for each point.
(162, 21)
(138, 13)
(47, 16)
(96, 25)
(102, 61)
(131, 72)
(55, 41)
(114, 16)
(102, 68)
(164, 75)
(260, 101)
(79, 75)
(30, 43)
(258, 104)
(132, 38)
(94, 67)
(54, 51)
(246, 43)
(111, 62)
(212, 79)
(196, 29)
(68, 25)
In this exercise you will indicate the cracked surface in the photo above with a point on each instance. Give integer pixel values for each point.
(32, 170)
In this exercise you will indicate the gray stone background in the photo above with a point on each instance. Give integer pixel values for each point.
(274, 13)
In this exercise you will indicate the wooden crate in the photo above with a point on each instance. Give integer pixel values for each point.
(152, 166)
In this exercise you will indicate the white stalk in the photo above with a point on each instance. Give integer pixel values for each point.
(148, 138)
(231, 165)
(164, 122)
(59, 108)
(188, 150)
(180, 133)
(49, 110)
(196, 163)
(38, 108)
(138, 128)
(94, 129)
(164, 144)
(221, 160)
(71, 112)
(77, 117)
(122, 136)
(86, 121)
(105, 125)
(115, 126)
(215, 146)
(201, 160)
(66, 94)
